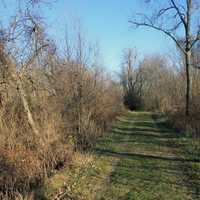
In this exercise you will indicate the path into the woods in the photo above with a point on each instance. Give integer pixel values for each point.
(140, 159)
(147, 162)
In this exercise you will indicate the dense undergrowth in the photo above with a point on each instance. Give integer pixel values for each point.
(52, 105)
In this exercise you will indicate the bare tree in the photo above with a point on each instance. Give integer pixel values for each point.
(131, 79)
(20, 45)
(171, 18)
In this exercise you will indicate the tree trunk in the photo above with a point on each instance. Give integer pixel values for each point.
(188, 88)
(7, 61)
(188, 55)
(26, 106)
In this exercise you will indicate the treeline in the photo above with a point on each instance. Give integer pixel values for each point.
(157, 83)
(170, 86)
(53, 102)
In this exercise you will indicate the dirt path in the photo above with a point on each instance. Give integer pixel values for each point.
(147, 162)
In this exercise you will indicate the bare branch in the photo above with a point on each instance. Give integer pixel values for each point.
(181, 15)
(169, 34)
(196, 39)
(37, 51)
(164, 10)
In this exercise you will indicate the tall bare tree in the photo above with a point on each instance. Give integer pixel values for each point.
(20, 46)
(179, 21)
(131, 79)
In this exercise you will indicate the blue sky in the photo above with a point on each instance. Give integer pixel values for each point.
(104, 21)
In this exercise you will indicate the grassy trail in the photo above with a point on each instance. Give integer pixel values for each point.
(141, 159)
(147, 162)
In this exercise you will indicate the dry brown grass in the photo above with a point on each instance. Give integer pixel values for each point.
(69, 115)
(51, 105)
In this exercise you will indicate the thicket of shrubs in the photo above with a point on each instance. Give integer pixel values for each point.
(162, 82)
(51, 104)
(71, 108)
(167, 94)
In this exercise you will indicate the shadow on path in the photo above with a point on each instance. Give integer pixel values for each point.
(108, 152)
(149, 167)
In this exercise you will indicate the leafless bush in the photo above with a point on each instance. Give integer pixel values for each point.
(50, 104)
(163, 91)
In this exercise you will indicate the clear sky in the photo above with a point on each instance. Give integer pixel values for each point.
(104, 21)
